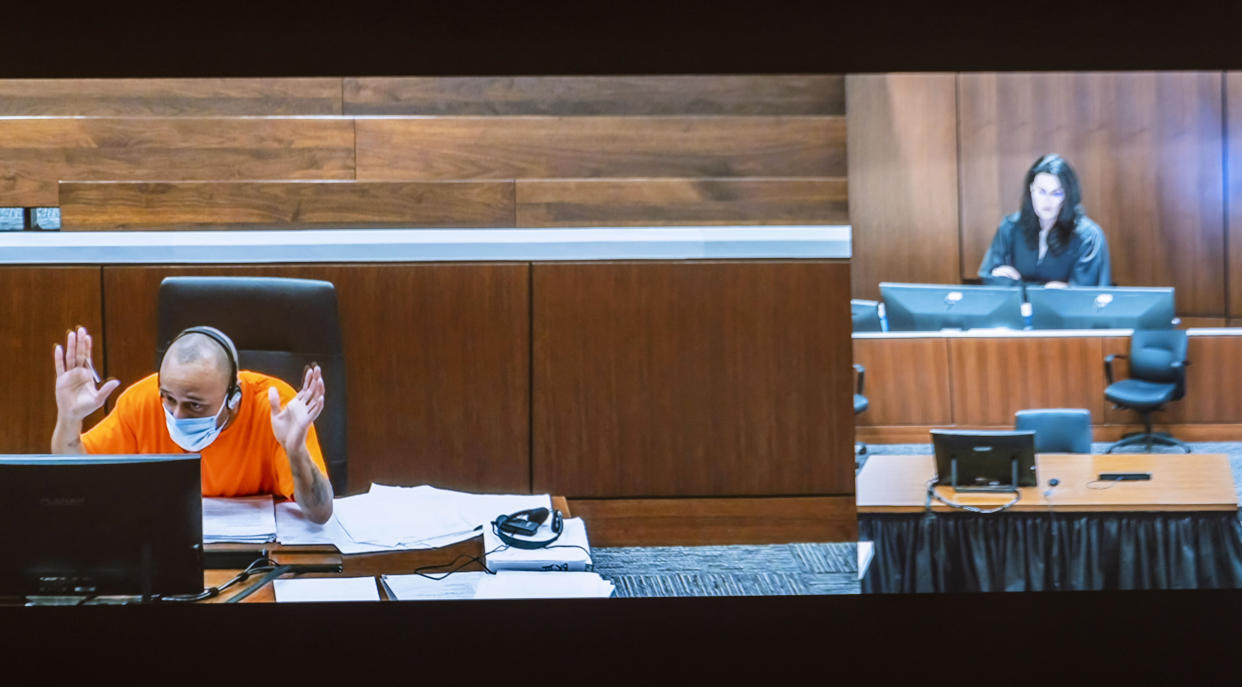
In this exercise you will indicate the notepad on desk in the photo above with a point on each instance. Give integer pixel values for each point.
(247, 519)
(506, 584)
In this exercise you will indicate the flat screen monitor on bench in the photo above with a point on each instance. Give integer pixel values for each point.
(1114, 307)
(933, 307)
(101, 525)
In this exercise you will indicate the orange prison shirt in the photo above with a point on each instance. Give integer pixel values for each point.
(245, 459)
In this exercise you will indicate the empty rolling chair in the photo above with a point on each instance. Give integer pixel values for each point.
(1157, 375)
(1057, 430)
(279, 326)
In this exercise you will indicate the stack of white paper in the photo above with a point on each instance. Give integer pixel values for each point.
(508, 584)
(249, 519)
(396, 518)
(569, 552)
(326, 589)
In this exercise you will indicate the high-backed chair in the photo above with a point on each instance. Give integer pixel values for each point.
(279, 327)
(1157, 375)
(1057, 430)
(860, 403)
(865, 315)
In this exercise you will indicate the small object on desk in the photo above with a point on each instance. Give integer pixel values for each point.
(570, 552)
(1124, 476)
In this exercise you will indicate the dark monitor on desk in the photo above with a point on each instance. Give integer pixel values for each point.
(981, 460)
(101, 525)
(1101, 308)
(932, 307)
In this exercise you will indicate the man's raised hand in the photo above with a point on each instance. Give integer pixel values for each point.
(291, 423)
(76, 393)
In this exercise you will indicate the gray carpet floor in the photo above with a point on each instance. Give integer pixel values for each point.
(778, 569)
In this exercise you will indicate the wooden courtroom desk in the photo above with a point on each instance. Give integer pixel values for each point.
(1180, 482)
(980, 378)
(356, 565)
(1178, 530)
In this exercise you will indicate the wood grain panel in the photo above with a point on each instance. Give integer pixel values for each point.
(169, 97)
(437, 360)
(1233, 174)
(1193, 431)
(995, 378)
(99, 205)
(655, 202)
(39, 305)
(37, 153)
(691, 379)
(902, 179)
(801, 94)
(1211, 389)
(579, 147)
(701, 522)
(906, 383)
(1147, 149)
(1199, 481)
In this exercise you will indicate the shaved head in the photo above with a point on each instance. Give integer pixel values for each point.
(198, 350)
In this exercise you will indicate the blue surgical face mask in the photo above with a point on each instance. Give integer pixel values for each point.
(193, 433)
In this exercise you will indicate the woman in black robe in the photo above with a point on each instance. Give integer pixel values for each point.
(1050, 241)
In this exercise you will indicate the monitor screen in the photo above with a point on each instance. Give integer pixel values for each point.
(984, 460)
(1101, 308)
(932, 307)
(101, 525)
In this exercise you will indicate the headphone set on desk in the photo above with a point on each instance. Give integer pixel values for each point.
(526, 523)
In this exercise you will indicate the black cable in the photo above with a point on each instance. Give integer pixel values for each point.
(285, 569)
(263, 564)
(931, 493)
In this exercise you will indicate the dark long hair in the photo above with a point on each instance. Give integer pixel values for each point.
(1071, 208)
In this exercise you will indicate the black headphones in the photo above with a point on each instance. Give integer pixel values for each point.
(233, 393)
(526, 523)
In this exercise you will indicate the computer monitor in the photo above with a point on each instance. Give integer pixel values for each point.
(1115, 307)
(932, 307)
(101, 525)
(981, 460)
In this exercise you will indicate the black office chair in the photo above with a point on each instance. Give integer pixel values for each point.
(1157, 375)
(860, 404)
(279, 326)
(1057, 430)
(865, 315)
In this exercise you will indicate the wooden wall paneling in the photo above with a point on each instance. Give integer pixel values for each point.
(1233, 203)
(39, 305)
(767, 94)
(36, 153)
(902, 179)
(993, 378)
(654, 202)
(437, 362)
(700, 522)
(504, 147)
(169, 97)
(1147, 149)
(691, 379)
(99, 205)
(907, 381)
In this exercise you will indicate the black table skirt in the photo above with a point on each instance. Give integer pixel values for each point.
(958, 552)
